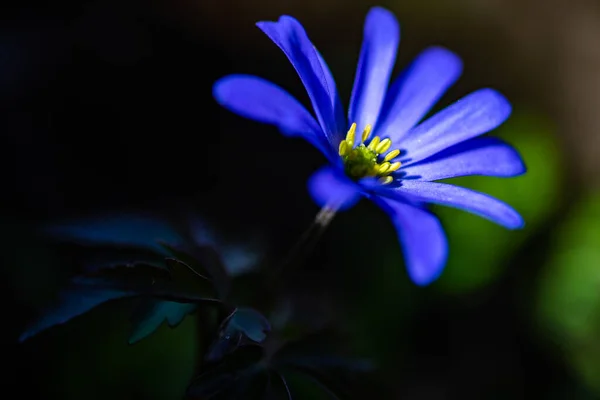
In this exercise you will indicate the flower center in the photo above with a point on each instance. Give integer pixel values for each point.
(363, 160)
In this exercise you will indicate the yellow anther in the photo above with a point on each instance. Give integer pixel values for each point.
(374, 143)
(351, 134)
(383, 168)
(383, 146)
(366, 132)
(391, 154)
(394, 166)
(343, 148)
(386, 180)
(362, 160)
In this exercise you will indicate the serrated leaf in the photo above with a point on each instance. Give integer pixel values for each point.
(242, 326)
(88, 291)
(250, 322)
(70, 304)
(151, 313)
(205, 261)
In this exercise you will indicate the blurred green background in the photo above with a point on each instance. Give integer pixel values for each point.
(107, 107)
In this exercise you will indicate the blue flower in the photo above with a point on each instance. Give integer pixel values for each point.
(362, 162)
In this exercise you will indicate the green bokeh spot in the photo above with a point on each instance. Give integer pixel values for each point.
(479, 249)
(569, 292)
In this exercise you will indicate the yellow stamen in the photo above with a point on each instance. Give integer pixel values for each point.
(343, 148)
(383, 168)
(386, 180)
(362, 160)
(351, 134)
(374, 143)
(383, 146)
(366, 132)
(394, 166)
(391, 154)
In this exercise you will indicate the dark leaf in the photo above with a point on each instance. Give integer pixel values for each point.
(210, 384)
(188, 279)
(206, 261)
(320, 357)
(238, 258)
(250, 322)
(242, 326)
(224, 344)
(277, 388)
(219, 376)
(118, 230)
(176, 283)
(183, 255)
(88, 291)
(70, 304)
(251, 385)
(151, 313)
(93, 258)
(334, 387)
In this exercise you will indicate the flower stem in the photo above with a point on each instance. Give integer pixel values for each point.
(307, 241)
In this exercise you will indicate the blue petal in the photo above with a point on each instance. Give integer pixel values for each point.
(481, 156)
(375, 65)
(330, 187)
(422, 238)
(416, 90)
(258, 99)
(338, 108)
(454, 196)
(290, 36)
(471, 116)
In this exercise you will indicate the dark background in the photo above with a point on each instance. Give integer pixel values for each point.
(106, 107)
